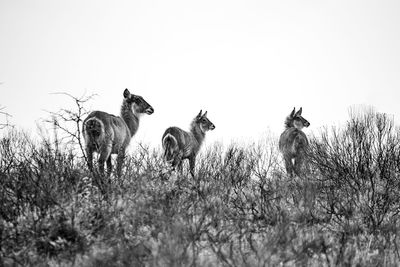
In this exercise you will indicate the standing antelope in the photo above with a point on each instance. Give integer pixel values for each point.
(179, 144)
(107, 134)
(293, 142)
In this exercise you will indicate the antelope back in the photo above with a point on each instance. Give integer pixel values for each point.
(178, 137)
(106, 130)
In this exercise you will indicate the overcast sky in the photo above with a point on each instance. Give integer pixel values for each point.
(247, 62)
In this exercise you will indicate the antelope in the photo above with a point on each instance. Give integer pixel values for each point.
(107, 134)
(179, 144)
(293, 142)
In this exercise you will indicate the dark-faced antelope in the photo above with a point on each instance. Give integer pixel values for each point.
(179, 144)
(107, 134)
(293, 142)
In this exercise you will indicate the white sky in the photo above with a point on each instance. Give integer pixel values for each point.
(247, 62)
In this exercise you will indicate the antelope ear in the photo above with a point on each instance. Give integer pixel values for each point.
(199, 115)
(299, 111)
(293, 112)
(205, 114)
(127, 93)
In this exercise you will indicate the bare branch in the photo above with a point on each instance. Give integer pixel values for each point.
(68, 121)
(7, 116)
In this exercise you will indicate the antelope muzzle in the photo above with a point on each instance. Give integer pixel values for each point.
(149, 110)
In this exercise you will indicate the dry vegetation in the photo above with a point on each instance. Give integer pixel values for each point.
(239, 210)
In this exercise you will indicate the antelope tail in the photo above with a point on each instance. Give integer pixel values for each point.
(170, 145)
(94, 129)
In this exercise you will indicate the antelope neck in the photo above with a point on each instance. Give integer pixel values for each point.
(131, 119)
(197, 133)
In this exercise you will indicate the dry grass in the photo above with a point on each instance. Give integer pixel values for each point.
(239, 210)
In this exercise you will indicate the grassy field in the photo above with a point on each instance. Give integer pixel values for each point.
(240, 209)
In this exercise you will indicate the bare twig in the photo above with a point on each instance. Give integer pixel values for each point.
(7, 116)
(69, 122)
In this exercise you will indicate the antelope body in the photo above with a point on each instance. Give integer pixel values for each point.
(293, 142)
(179, 144)
(107, 134)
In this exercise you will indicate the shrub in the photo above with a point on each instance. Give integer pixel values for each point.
(359, 166)
(240, 209)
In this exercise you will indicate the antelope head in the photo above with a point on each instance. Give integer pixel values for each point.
(298, 121)
(204, 123)
(138, 104)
